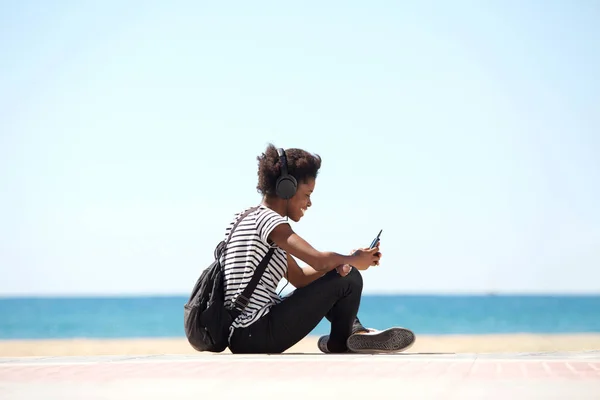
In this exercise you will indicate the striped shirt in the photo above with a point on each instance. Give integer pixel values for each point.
(247, 247)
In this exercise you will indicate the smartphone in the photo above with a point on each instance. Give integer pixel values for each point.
(374, 242)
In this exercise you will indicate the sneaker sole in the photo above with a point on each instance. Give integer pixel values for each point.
(322, 344)
(387, 341)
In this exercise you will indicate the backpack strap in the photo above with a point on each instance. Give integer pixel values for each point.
(243, 298)
(222, 246)
(244, 215)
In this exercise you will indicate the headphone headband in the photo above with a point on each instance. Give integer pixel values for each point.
(286, 184)
(283, 158)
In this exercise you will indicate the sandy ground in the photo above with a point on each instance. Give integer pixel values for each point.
(424, 344)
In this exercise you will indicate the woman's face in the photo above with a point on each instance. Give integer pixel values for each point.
(301, 200)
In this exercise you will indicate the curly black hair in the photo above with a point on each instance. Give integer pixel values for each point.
(301, 165)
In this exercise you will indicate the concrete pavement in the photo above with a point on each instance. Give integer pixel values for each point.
(305, 376)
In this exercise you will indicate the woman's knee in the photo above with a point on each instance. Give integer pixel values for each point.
(355, 277)
(352, 281)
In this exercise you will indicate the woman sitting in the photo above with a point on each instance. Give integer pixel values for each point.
(330, 286)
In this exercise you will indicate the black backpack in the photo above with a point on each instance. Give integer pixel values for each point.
(206, 320)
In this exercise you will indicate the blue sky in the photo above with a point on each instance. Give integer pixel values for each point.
(468, 132)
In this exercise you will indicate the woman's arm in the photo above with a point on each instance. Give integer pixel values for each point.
(301, 276)
(321, 261)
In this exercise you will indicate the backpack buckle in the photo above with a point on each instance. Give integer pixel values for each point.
(242, 301)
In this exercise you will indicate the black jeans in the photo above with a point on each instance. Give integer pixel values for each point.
(332, 296)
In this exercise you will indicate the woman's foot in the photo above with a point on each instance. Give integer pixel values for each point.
(373, 341)
(390, 340)
(322, 344)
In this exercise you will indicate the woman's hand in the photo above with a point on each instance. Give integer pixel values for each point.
(366, 257)
(343, 270)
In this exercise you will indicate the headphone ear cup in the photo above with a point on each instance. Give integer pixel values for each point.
(286, 187)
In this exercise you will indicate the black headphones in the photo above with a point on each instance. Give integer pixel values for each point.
(286, 185)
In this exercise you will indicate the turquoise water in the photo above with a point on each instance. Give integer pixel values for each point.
(127, 317)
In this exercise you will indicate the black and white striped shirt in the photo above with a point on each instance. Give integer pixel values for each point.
(245, 250)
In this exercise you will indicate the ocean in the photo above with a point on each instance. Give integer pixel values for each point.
(151, 317)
